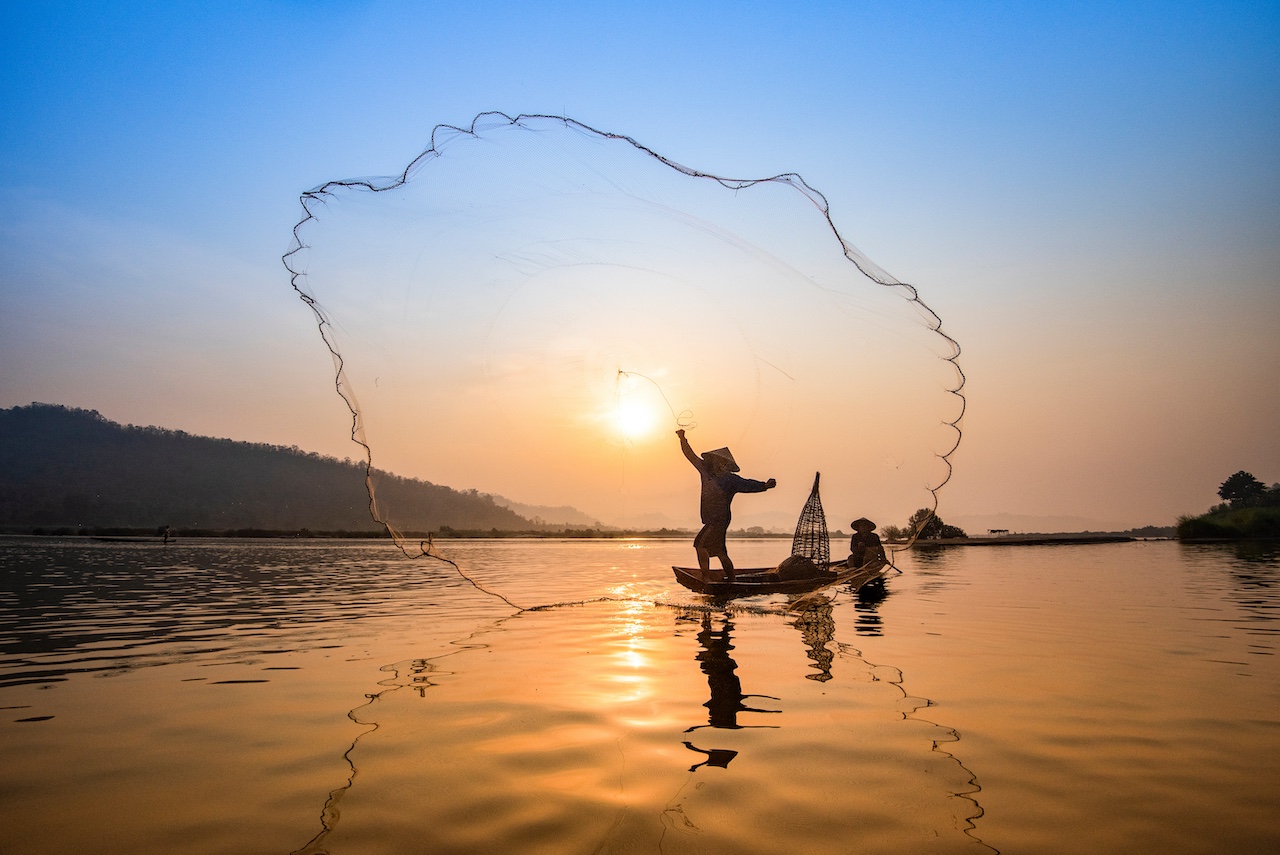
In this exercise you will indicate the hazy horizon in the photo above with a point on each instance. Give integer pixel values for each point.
(684, 515)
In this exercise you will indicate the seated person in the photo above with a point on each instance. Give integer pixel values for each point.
(865, 544)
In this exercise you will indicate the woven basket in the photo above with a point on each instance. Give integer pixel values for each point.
(811, 539)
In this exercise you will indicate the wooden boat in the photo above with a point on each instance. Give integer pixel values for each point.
(764, 580)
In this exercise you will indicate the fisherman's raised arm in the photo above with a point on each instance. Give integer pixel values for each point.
(688, 451)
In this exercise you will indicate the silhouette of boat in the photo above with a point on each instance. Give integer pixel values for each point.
(765, 580)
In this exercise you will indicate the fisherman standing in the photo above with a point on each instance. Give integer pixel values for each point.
(719, 485)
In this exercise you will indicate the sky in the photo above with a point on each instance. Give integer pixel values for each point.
(1087, 194)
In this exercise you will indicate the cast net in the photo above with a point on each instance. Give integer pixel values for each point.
(532, 308)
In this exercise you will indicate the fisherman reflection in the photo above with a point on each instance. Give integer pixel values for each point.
(718, 757)
(727, 699)
(726, 689)
(866, 606)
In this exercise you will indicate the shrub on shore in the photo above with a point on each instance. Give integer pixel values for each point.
(1232, 523)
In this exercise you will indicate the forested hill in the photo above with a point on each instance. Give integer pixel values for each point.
(68, 467)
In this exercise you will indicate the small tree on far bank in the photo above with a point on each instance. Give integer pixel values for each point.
(924, 524)
(929, 526)
(1242, 489)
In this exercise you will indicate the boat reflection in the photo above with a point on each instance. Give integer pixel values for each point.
(817, 627)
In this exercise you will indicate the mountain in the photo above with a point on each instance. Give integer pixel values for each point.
(61, 466)
(559, 516)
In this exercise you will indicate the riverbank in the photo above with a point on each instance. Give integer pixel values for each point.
(1233, 524)
(1024, 540)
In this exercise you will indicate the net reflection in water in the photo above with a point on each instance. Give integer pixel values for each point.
(629, 727)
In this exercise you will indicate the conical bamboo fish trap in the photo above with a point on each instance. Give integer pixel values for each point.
(811, 539)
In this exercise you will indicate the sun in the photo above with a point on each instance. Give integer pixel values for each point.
(634, 419)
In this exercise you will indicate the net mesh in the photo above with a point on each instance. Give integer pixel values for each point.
(532, 306)
(811, 539)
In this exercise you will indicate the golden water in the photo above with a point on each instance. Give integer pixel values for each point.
(243, 697)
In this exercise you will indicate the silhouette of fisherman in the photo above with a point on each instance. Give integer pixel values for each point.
(720, 484)
(865, 544)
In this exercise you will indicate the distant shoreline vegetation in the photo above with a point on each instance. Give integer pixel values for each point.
(1251, 511)
(73, 470)
(151, 534)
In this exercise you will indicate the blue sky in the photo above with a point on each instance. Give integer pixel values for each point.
(1087, 193)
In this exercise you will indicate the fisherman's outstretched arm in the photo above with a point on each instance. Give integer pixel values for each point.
(750, 485)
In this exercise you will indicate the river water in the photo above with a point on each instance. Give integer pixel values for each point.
(315, 696)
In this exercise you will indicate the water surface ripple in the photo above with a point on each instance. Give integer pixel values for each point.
(316, 696)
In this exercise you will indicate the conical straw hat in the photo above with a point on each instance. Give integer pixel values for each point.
(724, 454)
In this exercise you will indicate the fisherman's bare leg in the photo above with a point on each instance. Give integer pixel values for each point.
(704, 558)
(728, 567)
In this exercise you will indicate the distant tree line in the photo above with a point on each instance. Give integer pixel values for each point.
(67, 467)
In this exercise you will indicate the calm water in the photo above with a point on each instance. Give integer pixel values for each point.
(230, 697)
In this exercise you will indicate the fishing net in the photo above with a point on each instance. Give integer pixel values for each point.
(533, 306)
(811, 540)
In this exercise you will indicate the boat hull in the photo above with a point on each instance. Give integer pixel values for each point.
(760, 580)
